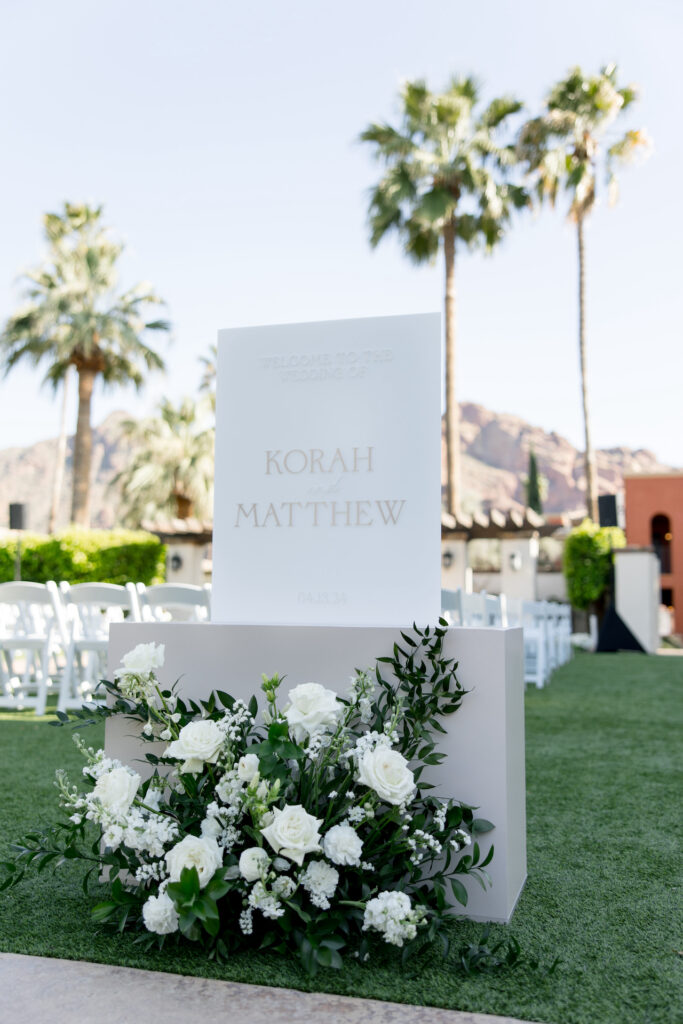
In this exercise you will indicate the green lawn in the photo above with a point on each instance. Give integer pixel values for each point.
(604, 788)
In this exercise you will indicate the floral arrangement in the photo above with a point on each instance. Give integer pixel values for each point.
(307, 828)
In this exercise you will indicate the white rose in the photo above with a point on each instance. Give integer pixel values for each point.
(312, 710)
(293, 832)
(387, 772)
(116, 790)
(343, 845)
(160, 915)
(253, 862)
(143, 659)
(203, 853)
(197, 743)
(247, 767)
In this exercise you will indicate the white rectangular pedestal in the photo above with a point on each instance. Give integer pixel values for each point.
(637, 593)
(484, 743)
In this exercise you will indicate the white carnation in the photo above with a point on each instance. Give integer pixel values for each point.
(198, 743)
(343, 845)
(293, 832)
(387, 772)
(312, 710)
(160, 915)
(142, 660)
(211, 828)
(320, 882)
(202, 853)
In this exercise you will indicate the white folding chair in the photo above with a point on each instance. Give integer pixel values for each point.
(513, 611)
(174, 602)
(451, 606)
(474, 609)
(555, 634)
(90, 609)
(493, 612)
(535, 645)
(565, 633)
(31, 634)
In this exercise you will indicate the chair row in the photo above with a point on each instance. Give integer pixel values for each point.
(547, 626)
(53, 638)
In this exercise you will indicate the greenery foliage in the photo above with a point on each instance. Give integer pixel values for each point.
(78, 555)
(532, 485)
(588, 561)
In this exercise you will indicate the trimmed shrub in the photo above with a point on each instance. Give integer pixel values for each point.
(588, 562)
(78, 555)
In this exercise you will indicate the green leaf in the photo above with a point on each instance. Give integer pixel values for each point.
(104, 911)
(459, 891)
(481, 825)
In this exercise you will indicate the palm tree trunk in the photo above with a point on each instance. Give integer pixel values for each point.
(591, 477)
(80, 501)
(452, 409)
(61, 458)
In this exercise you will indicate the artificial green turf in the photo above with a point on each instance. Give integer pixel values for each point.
(603, 742)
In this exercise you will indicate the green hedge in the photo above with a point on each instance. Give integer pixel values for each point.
(86, 556)
(588, 561)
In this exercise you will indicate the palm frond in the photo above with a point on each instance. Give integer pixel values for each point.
(439, 159)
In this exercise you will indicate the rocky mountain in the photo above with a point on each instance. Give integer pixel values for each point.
(496, 448)
(27, 476)
(495, 460)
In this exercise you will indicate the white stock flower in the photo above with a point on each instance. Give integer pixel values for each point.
(142, 660)
(253, 862)
(198, 743)
(247, 767)
(203, 853)
(116, 790)
(312, 710)
(391, 914)
(343, 845)
(387, 772)
(293, 832)
(160, 914)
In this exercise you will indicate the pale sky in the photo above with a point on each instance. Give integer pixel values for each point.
(221, 139)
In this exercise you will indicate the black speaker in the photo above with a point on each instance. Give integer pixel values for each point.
(17, 517)
(611, 510)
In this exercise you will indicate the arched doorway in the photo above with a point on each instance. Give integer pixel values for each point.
(660, 532)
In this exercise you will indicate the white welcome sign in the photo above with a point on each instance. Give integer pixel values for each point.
(328, 473)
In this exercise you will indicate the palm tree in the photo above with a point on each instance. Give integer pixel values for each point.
(171, 469)
(73, 316)
(446, 183)
(209, 374)
(568, 146)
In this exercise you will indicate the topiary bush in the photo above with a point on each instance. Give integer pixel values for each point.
(78, 555)
(587, 562)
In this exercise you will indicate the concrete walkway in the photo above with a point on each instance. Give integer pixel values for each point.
(38, 990)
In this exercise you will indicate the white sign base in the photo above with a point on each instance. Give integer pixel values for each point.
(484, 742)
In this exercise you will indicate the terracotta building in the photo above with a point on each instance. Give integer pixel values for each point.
(654, 517)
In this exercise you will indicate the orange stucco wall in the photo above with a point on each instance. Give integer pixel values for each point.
(648, 496)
